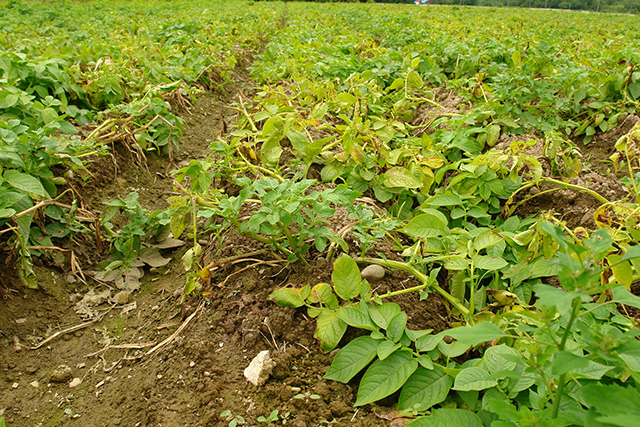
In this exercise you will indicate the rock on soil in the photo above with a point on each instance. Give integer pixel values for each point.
(260, 368)
(61, 374)
(373, 273)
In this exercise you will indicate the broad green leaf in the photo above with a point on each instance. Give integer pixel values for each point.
(9, 100)
(425, 225)
(287, 297)
(396, 326)
(486, 239)
(354, 357)
(474, 335)
(414, 80)
(634, 90)
(553, 297)
(24, 182)
(456, 262)
(458, 285)
(399, 177)
(500, 357)
(623, 296)
(428, 342)
(454, 349)
(623, 273)
(490, 263)
(346, 277)
(424, 389)
(357, 318)
(565, 362)
(320, 293)
(330, 330)
(630, 354)
(473, 378)
(444, 200)
(382, 314)
(7, 212)
(631, 253)
(386, 348)
(447, 417)
(385, 377)
(415, 335)
(10, 198)
(619, 406)
(425, 361)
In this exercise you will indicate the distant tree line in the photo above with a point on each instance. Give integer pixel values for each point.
(610, 6)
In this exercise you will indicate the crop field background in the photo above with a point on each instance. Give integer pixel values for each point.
(428, 215)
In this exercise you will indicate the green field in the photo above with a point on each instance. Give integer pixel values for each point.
(491, 154)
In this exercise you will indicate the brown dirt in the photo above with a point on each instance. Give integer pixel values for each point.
(196, 376)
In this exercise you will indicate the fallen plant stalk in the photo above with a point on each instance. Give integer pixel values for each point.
(420, 276)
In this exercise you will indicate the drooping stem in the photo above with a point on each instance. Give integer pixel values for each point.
(559, 183)
(426, 283)
(563, 342)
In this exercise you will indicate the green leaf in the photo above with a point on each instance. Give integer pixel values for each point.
(486, 239)
(424, 389)
(287, 297)
(619, 406)
(565, 362)
(9, 100)
(396, 326)
(346, 278)
(553, 297)
(357, 318)
(622, 272)
(490, 263)
(456, 262)
(385, 377)
(6, 212)
(399, 177)
(352, 359)
(623, 296)
(473, 378)
(428, 342)
(387, 348)
(321, 293)
(500, 357)
(24, 182)
(447, 417)
(330, 330)
(474, 335)
(425, 225)
(630, 354)
(382, 314)
(10, 198)
(634, 90)
(444, 200)
(631, 253)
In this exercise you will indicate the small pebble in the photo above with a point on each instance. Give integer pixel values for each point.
(373, 273)
(75, 382)
(61, 374)
(15, 385)
(34, 384)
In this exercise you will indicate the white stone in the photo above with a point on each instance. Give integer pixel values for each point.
(75, 382)
(259, 369)
(373, 273)
(34, 384)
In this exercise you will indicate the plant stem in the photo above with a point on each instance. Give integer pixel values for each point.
(563, 342)
(420, 276)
